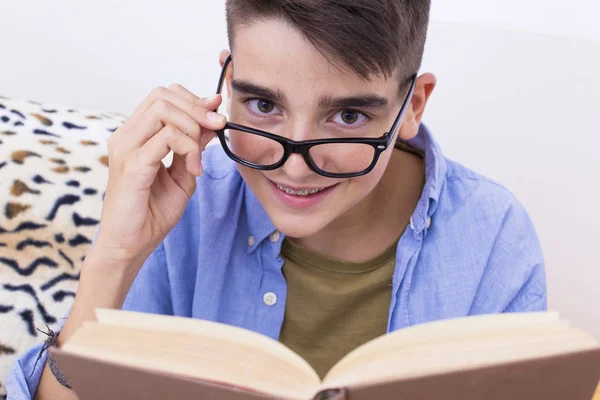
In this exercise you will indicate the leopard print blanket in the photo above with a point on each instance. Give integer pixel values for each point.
(53, 172)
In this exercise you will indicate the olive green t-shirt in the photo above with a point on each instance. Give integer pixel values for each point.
(332, 307)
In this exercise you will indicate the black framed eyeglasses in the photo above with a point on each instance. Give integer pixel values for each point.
(332, 157)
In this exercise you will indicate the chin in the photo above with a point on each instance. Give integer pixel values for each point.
(303, 216)
(296, 226)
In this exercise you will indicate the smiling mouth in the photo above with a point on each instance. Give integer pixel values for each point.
(303, 192)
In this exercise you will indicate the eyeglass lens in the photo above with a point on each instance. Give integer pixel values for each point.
(334, 158)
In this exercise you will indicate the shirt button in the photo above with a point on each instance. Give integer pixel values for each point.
(428, 223)
(274, 236)
(270, 298)
(250, 241)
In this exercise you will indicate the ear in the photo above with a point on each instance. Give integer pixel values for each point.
(223, 56)
(423, 89)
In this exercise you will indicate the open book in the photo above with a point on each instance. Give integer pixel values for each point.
(128, 355)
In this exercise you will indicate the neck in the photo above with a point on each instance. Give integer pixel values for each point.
(373, 225)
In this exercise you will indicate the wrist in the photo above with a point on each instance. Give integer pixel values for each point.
(112, 278)
(105, 251)
(106, 260)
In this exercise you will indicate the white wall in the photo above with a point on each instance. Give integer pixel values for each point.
(524, 108)
(108, 53)
(518, 96)
(575, 18)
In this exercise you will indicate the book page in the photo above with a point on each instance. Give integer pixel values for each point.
(455, 352)
(431, 360)
(196, 349)
(443, 330)
(207, 329)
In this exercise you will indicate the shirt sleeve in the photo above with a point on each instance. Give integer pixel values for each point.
(149, 293)
(518, 250)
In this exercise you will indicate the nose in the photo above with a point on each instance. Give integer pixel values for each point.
(296, 169)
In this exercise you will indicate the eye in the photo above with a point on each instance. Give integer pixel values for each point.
(349, 117)
(261, 106)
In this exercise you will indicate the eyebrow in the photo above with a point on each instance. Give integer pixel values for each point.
(264, 92)
(368, 100)
(362, 100)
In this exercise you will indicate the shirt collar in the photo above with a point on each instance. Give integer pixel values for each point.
(259, 223)
(261, 227)
(435, 177)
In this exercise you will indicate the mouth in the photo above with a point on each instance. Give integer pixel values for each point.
(300, 198)
(299, 192)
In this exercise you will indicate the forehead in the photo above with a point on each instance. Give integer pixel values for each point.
(273, 53)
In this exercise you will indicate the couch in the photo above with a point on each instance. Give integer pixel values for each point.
(53, 172)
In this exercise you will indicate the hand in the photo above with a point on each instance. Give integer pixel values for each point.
(144, 200)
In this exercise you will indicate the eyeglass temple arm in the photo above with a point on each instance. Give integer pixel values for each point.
(400, 116)
(222, 76)
(223, 71)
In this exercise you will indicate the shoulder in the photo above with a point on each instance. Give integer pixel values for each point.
(471, 202)
(466, 188)
(482, 205)
(483, 239)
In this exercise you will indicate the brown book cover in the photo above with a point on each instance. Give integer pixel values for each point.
(98, 380)
(566, 377)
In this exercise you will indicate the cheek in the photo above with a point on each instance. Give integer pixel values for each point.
(383, 161)
(342, 157)
(252, 177)
(366, 183)
(254, 148)
(363, 185)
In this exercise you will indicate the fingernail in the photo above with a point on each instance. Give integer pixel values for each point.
(213, 116)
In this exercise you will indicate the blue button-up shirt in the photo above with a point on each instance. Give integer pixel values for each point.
(470, 249)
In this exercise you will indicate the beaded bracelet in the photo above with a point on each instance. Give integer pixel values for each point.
(51, 342)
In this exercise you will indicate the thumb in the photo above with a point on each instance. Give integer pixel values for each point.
(179, 171)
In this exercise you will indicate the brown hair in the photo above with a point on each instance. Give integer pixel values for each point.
(371, 37)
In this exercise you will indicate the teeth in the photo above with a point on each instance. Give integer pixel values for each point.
(306, 192)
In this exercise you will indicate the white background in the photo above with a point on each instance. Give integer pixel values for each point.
(518, 96)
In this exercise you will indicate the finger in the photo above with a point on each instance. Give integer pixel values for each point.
(180, 174)
(211, 103)
(171, 138)
(123, 134)
(206, 137)
(127, 138)
(183, 92)
(144, 106)
(180, 97)
(164, 113)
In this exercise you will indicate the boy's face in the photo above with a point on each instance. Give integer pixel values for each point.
(272, 55)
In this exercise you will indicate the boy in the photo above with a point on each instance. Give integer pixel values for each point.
(327, 216)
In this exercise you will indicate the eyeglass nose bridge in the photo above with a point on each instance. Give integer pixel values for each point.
(297, 148)
(302, 149)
